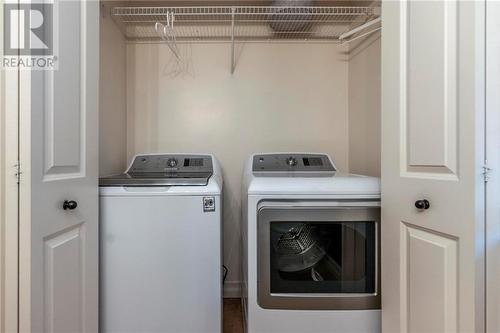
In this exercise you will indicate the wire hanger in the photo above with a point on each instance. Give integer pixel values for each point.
(167, 34)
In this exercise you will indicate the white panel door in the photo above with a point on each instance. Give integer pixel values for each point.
(62, 263)
(493, 158)
(432, 155)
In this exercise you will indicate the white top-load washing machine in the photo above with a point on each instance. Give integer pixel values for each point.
(311, 246)
(160, 229)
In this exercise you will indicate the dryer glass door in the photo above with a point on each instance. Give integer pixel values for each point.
(318, 257)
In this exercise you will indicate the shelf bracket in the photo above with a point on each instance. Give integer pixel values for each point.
(233, 9)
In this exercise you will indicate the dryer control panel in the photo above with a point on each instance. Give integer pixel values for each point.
(292, 165)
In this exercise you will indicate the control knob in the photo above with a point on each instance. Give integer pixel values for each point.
(291, 161)
(171, 162)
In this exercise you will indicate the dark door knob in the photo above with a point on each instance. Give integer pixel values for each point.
(422, 204)
(69, 204)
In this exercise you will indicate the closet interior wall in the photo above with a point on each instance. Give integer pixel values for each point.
(282, 97)
(364, 106)
(112, 98)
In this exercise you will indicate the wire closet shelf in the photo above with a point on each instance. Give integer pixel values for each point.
(243, 23)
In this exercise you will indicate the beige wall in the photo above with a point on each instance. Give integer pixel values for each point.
(112, 100)
(282, 97)
(364, 107)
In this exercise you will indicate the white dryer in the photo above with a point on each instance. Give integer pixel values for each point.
(160, 231)
(311, 246)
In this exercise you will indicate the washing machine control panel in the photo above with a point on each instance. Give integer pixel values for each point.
(293, 165)
(171, 164)
(164, 170)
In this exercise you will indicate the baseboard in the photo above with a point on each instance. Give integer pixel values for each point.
(232, 289)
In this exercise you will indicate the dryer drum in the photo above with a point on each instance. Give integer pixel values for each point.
(298, 249)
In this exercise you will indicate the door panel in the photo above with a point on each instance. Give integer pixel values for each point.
(433, 149)
(62, 164)
(64, 275)
(429, 271)
(429, 55)
(64, 107)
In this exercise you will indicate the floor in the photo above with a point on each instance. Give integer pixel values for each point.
(233, 322)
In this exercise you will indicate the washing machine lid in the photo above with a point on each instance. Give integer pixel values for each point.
(164, 170)
(292, 165)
